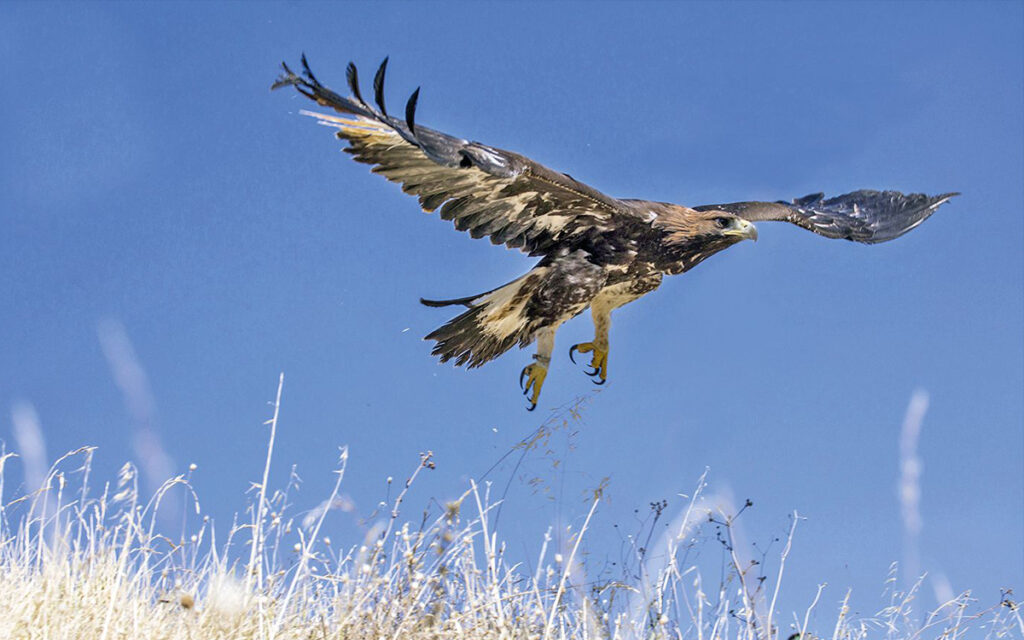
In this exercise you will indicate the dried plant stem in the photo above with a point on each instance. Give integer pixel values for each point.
(567, 567)
(782, 567)
(255, 567)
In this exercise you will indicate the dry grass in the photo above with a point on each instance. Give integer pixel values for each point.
(73, 565)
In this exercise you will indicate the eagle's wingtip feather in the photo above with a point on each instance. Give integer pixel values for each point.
(410, 111)
(352, 76)
(378, 85)
(286, 79)
(306, 71)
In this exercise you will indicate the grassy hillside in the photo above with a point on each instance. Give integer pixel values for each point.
(74, 565)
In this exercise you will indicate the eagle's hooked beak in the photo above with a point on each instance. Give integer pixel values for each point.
(744, 230)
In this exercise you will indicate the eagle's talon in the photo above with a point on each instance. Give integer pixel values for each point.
(572, 350)
(599, 382)
(598, 361)
(534, 374)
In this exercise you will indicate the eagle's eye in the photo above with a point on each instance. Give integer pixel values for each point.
(721, 223)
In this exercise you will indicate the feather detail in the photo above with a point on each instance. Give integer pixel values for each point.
(378, 86)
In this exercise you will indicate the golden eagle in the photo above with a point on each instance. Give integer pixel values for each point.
(596, 251)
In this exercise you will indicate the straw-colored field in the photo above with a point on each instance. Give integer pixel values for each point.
(75, 565)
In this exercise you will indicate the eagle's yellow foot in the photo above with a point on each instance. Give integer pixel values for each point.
(598, 361)
(534, 375)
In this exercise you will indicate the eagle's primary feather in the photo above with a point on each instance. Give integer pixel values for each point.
(596, 251)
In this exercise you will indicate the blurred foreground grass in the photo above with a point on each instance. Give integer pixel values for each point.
(73, 565)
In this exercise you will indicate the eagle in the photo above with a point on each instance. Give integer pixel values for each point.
(595, 251)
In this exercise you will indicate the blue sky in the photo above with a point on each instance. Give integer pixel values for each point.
(163, 210)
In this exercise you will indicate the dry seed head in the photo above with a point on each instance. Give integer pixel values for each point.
(452, 510)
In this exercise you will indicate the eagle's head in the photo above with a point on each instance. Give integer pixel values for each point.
(691, 236)
(721, 226)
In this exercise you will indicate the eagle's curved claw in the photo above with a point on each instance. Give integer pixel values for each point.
(598, 362)
(534, 375)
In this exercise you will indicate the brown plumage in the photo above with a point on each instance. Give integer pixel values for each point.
(596, 251)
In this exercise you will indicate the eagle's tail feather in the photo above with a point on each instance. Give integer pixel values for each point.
(466, 302)
(494, 322)
(465, 340)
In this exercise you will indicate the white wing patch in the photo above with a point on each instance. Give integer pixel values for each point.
(504, 315)
(358, 123)
(491, 155)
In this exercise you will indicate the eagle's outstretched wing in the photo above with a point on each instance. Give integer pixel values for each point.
(862, 216)
(483, 190)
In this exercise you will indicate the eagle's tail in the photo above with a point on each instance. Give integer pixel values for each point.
(495, 322)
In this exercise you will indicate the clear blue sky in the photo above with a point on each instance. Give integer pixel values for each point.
(150, 181)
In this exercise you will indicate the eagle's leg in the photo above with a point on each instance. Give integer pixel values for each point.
(533, 374)
(608, 299)
(602, 314)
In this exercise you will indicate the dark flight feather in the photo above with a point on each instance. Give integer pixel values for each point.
(410, 111)
(352, 76)
(378, 86)
(308, 72)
